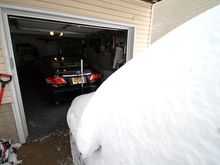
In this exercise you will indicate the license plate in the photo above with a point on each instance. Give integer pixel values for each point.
(78, 80)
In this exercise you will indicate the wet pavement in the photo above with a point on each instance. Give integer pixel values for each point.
(53, 149)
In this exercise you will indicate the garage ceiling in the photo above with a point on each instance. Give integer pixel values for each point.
(24, 25)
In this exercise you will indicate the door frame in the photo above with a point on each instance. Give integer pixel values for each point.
(8, 9)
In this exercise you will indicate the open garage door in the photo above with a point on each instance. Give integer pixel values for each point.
(57, 61)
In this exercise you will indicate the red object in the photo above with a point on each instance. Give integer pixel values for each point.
(56, 80)
(95, 76)
(7, 79)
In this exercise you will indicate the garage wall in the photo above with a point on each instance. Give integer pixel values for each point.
(169, 14)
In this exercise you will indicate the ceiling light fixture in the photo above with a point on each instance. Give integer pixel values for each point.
(61, 34)
(51, 33)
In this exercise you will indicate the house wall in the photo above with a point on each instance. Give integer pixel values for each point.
(168, 14)
(7, 94)
(7, 122)
(135, 12)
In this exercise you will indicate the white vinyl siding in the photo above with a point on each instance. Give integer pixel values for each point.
(135, 12)
(169, 14)
(7, 94)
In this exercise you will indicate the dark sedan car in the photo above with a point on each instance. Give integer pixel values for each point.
(64, 75)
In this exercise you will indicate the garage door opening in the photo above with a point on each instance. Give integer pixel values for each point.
(57, 61)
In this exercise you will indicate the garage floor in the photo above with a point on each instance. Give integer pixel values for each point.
(53, 149)
(42, 117)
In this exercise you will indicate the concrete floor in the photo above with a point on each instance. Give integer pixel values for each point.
(42, 117)
(48, 142)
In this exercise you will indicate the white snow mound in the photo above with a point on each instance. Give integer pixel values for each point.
(162, 107)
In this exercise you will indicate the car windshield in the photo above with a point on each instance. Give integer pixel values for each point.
(66, 62)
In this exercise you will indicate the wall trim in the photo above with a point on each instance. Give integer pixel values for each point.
(151, 25)
(31, 12)
(18, 113)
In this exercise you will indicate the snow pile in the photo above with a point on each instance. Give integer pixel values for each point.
(163, 107)
(73, 118)
(75, 111)
(8, 154)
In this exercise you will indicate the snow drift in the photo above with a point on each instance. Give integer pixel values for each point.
(162, 107)
(75, 111)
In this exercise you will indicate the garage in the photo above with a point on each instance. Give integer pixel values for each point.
(47, 52)
(102, 22)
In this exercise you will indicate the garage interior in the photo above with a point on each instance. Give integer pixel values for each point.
(34, 39)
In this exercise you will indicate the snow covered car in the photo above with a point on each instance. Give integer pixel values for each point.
(73, 119)
(173, 119)
(62, 75)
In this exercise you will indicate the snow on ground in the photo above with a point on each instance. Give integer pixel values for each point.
(8, 154)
